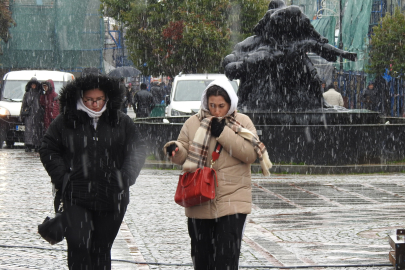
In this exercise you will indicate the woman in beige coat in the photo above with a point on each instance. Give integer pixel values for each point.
(215, 227)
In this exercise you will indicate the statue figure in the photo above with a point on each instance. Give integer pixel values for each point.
(273, 67)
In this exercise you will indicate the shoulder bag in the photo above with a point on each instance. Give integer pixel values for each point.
(199, 186)
(53, 229)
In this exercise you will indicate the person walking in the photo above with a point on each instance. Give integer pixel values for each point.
(333, 97)
(100, 152)
(49, 102)
(215, 227)
(32, 115)
(126, 99)
(143, 102)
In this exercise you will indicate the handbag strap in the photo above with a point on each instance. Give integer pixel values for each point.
(216, 153)
(65, 181)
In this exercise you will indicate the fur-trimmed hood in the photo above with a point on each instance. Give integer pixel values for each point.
(33, 80)
(70, 94)
(51, 86)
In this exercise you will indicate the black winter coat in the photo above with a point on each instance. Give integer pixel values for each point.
(157, 93)
(34, 121)
(100, 164)
(143, 103)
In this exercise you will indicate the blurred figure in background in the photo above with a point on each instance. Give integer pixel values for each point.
(32, 115)
(157, 92)
(371, 99)
(49, 102)
(333, 97)
(323, 87)
(126, 100)
(143, 102)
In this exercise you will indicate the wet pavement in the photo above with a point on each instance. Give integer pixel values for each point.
(297, 220)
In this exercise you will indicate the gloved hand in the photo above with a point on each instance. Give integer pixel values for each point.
(217, 127)
(171, 148)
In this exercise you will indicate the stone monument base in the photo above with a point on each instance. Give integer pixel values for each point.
(324, 137)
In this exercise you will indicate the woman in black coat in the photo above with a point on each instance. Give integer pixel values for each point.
(98, 150)
(32, 114)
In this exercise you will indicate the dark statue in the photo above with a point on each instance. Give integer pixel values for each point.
(273, 67)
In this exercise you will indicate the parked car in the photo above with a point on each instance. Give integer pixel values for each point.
(185, 97)
(11, 95)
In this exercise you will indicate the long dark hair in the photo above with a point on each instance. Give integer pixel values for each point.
(216, 90)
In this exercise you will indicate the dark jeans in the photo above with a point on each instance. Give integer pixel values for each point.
(215, 243)
(90, 236)
(142, 113)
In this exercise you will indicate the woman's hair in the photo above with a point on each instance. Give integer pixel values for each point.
(84, 91)
(101, 82)
(330, 86)
(216, 90)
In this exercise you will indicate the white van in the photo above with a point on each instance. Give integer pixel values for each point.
(185, 97)
(11, 95)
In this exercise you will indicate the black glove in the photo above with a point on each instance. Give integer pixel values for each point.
(170, 149)
(217, 127)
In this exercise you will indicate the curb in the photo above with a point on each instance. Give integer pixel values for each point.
(344, 169)
(303, 169)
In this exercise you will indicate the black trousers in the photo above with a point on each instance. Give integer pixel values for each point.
(90, 236)
(141, 113)
(215, 243)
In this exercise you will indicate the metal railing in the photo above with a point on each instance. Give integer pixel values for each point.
(352, 84)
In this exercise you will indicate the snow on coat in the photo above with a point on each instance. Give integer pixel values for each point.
(233, 195)
(100, 163)
(234, 191)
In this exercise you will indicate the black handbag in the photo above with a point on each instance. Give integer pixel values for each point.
(53, 229)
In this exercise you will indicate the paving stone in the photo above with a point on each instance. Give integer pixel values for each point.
(296, 220)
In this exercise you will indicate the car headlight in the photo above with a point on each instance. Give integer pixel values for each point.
(179, 113)
(4, 111)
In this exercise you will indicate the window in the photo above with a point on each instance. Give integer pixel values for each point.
(192, 90)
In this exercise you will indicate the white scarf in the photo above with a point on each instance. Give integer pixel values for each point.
(227, 86)
(92, 114)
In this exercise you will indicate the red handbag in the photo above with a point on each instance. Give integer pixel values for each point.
(199, 186)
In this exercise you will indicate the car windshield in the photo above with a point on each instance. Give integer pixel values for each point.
(192, 90)
(15, 90)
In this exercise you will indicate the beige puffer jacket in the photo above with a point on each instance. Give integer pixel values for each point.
(233, 194)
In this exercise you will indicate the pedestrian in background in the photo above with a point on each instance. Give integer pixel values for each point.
(323, 86)
(130, 95)
(143, 102)
(126, 99)
(32, 115)
(215, 227)
(49, 102)
(157, 92)
(100, 152)
(333, 97)
(371, 98)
